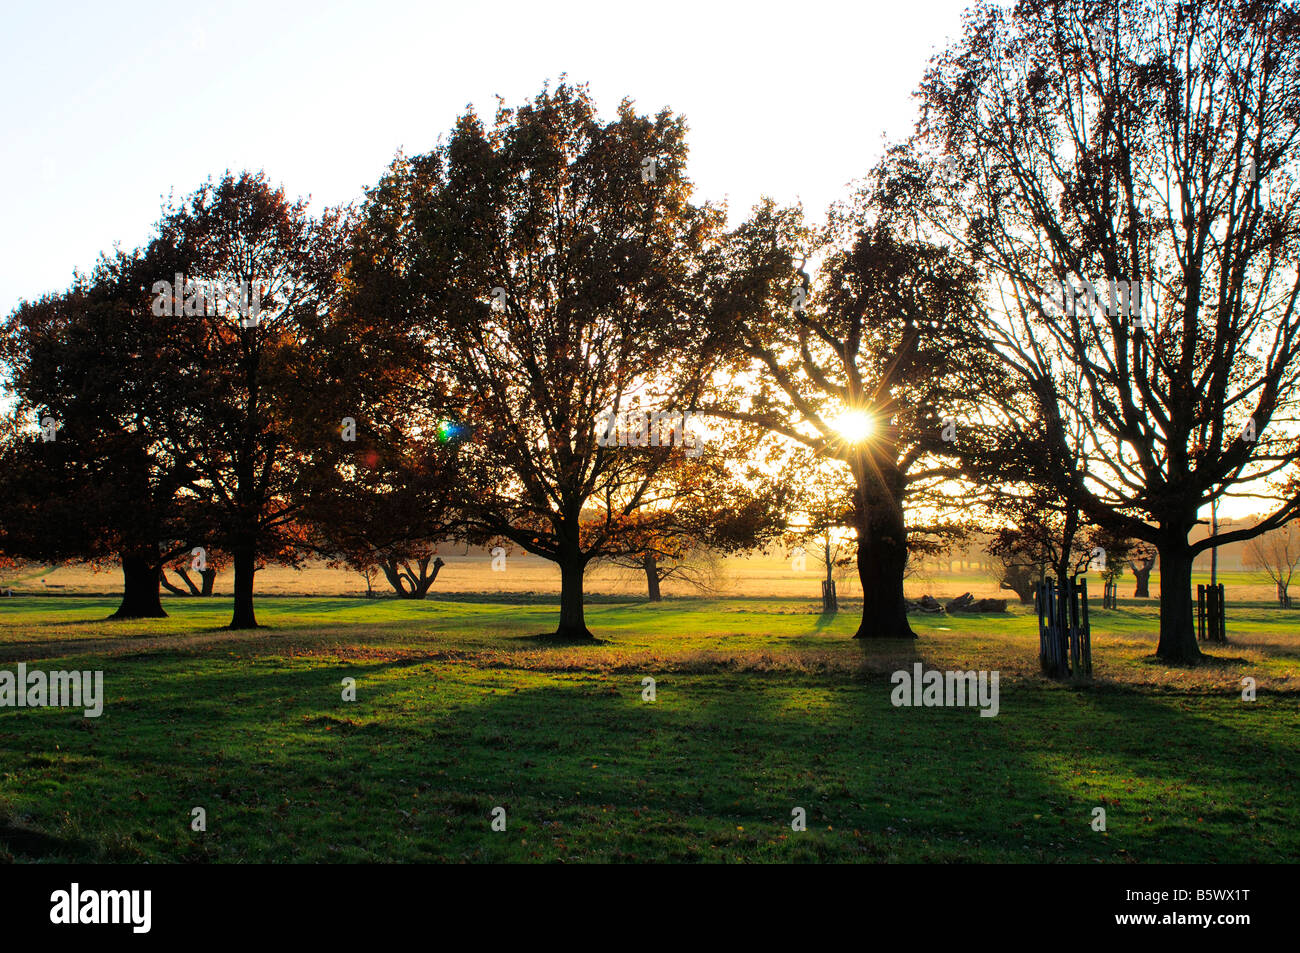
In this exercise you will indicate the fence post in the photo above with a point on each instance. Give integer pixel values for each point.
(1200, 612)
(1211, 614)
(1221, 630)
(1046, 640)
(1042, 639)
(1053, 646)
(1085, 632)
(1072, 607)
(1065, 595)
(1054, 599)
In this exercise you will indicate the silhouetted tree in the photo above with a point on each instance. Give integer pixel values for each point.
(102, 375)
(548, 272)
(871, 367)
(1153, 143)
(1277, 553)
(263, 402)
(695, 513)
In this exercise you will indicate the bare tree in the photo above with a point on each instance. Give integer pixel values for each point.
(1125, 171)
(1277, 553)
(685, 561)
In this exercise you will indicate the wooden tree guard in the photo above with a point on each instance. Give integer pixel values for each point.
(1064, 632)
(1211, 621)
(829, 601)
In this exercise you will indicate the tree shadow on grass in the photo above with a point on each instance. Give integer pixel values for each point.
(824, 620)
(19, 842)
(57, 649)
(532, 598)
(587, 769)
(95, 620)
(1218, 766)
(1055, 752)
(1206, 661)
(550, 640)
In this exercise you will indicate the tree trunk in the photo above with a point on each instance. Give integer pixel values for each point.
(209, 577)
(573, 624)
(140, 597)
(1177, 623)
(830, 604)
(408, 581)
(426, 578)
(393, 573)
(1064, 569)
(245, 557)
(1023, 588)
(651, 567)
(882, 560)
(1143, 576)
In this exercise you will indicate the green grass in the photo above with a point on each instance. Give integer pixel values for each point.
(762, 706)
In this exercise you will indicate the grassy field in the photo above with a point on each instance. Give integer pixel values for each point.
(762, 706)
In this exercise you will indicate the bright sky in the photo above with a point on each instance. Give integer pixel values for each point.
(108, 106)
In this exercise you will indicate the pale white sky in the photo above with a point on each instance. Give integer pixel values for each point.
(108, 106)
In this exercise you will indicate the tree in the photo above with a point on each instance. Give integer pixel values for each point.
(869, 370)
(1277, 553)
(52, 512)
(1142, 560)
(90, 470)
(672, 556)
(825, 504)
(1016, 569)
(697, 512)
(263, 403)
(1046, 538)
(190, 562)
(390, 507)
(1048, 534)
(549, 273)
(832, 553)
(1125, 174)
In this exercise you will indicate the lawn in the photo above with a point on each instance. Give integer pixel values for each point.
(762, 706)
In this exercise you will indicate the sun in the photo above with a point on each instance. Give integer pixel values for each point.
(855, 426)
